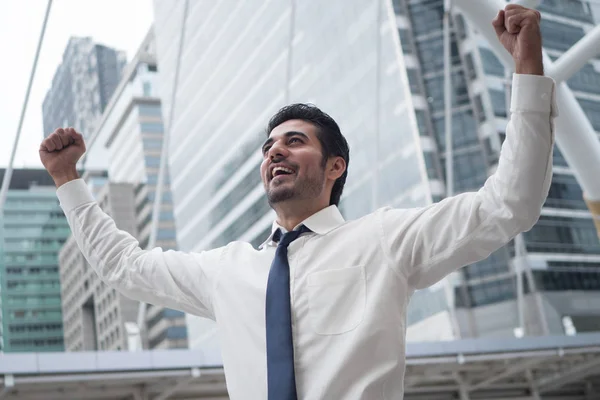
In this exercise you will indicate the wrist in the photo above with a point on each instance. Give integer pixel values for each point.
(60, 178)
(529, 67)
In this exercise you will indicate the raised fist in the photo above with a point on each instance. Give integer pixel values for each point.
(60, 152)
(518, 29)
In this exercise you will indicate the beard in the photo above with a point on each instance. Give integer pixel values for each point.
(299, 189)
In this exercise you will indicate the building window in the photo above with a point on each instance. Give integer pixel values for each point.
(585, 80)
(478, 106)
(565, 192)
(430, 165)
(147, 87)
(152, 127)
(592, 111)
(421, 122)
(413, 81)
(491, 64)
(559, 36)
(567, 280)
(398, 7)
(563, 235)
(492, 292)
(470, 66)
(426, 16)
(405, 41)
(576, 9)
(498, 98)
(461, 27)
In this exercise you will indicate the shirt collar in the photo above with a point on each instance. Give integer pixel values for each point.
(320, 223)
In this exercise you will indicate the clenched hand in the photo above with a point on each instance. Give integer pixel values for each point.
(60, 152)
(518, 29)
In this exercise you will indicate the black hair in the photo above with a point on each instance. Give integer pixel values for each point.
(332, 141)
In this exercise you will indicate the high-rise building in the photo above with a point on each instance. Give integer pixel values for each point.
(82, 85)
(377, 68)
(127, 145)
(31, 234)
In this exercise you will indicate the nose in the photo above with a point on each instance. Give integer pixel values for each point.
(277, 151)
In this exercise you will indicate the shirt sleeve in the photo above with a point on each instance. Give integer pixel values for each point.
(170, 278)
(427, 244)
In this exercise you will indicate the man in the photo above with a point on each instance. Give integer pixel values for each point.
(319, 311)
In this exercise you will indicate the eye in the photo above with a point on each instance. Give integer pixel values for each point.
(265, 149)
(295, 139)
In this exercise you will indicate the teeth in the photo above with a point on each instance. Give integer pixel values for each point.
(283, 169)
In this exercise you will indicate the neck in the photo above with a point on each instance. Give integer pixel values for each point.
(291, 213)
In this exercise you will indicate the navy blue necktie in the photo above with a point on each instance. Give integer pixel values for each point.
(280, 349)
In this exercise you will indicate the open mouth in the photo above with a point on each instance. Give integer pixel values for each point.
(278, 172)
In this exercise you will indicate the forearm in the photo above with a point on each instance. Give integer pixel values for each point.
(530, 67)
(524, 172)
(63, 177)
(467, 228)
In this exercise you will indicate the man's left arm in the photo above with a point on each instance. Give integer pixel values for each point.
(427, 244)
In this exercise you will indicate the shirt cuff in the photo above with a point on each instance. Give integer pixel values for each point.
(533, 93)
(74, 194)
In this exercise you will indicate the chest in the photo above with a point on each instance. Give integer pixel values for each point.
(336, 283)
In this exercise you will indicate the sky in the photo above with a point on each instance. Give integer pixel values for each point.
(121, 24)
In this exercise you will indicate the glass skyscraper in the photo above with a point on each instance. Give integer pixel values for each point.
(32, 232)
(377, 68)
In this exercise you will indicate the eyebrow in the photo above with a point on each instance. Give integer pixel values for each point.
(287, 135)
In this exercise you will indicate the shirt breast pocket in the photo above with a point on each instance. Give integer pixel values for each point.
(337, 299)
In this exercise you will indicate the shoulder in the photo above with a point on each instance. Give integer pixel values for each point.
(238, 249)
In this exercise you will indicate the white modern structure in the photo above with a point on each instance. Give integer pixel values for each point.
(556, 368)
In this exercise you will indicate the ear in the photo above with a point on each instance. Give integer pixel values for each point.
(335, 168)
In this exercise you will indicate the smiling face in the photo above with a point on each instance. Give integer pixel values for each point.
(293, 166)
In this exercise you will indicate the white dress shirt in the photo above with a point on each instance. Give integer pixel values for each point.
(350, 281)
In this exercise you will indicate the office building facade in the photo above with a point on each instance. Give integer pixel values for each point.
(377, 68)
(82, 85)
(32, 232)
(127, 145)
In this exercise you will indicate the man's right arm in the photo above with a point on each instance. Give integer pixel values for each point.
(173, 279)
(168, 278)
